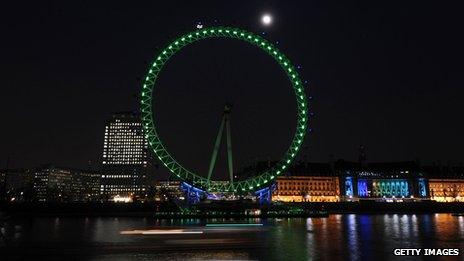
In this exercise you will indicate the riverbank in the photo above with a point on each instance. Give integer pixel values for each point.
(226, 209)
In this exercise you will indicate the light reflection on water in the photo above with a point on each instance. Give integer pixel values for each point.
(339, 236)
(461, 226)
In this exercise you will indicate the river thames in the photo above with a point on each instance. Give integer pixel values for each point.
(346, 236)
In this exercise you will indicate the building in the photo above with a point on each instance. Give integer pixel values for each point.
(3, 186)
(52, 184)
(306, 189)
(308, 182)
(446, 184)
(390, 181)
(124, 159)
(353, 181)
(446, 190)
(3, 178)
(85, 185)
(17, 184)
(168, 190)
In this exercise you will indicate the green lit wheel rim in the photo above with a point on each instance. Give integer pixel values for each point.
(254, 183)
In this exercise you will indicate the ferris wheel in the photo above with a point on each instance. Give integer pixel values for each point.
(256, 182)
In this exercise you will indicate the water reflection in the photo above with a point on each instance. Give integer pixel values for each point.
(348, 236)
(353, 239)
(310, 242)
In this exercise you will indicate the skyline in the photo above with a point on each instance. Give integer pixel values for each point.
(375, 89)
(231, 130)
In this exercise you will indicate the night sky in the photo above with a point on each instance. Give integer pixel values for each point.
(385, 74)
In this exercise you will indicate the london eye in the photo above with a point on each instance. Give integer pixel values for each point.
(203, 180)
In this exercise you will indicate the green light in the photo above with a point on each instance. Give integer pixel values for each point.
(150, 128)
(233, 225)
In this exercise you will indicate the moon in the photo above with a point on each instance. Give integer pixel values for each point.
(266, 19)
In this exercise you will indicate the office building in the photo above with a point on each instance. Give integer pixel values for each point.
(52, 184)
(85, 185)
(124, 159)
